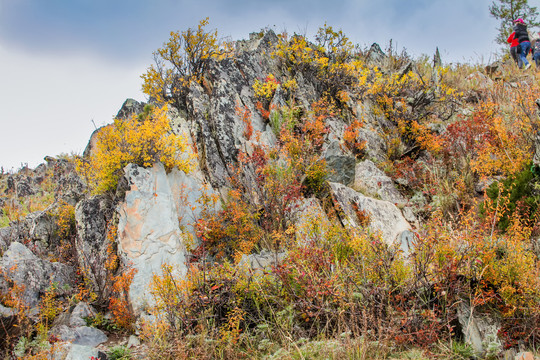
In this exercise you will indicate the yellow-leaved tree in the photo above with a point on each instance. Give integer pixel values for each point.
(182, 60)
(142, 140)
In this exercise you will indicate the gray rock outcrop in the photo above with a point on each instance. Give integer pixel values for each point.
(373, 182)
(35, 275)
(221, 129)
(155, 225)
(81, 335)
(380, 217)
(375, 55)
(92, 217)
(78, 352)
(261, 262)
(310, 221)
(130, 107)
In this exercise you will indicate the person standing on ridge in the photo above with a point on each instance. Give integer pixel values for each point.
(521, 33)
(536, 52)
(514, 47)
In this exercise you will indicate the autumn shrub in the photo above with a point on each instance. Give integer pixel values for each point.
(181, 61)
(516, 196)
(493, 271)
(66, 232)
(230, 232)
(350, 137)
(142, 142)
(220, 302)
(119, 277)
(264, 93)
(265, 90)
(267, 184)
(329, 62)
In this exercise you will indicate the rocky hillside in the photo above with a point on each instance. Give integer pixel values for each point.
(281, 198)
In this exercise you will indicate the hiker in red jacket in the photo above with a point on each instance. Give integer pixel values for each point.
(514, 46)
(520, 28)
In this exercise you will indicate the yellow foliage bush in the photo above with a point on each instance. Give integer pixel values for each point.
(267, 88)
(181, 61)
(142, 142)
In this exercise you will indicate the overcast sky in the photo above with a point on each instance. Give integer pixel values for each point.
(66, 64)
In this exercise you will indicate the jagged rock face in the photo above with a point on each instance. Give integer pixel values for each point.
(36, 275)
(18, 231)
(339, 161)
(261, 262)
(340, 166)
(375, 55)
(381, 216)
(130, 107)
(374, 124)
(42, 226)
(155, 209)
(372, 181)
(20, 184)
(92, 217)
(215, 110)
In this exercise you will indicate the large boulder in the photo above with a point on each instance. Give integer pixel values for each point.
(379, 216)
(156, 224)
(43, 226)
(373, 182)
(80, 335)
(35, 275)
(261, 262)
(69, 351)
(92, 217)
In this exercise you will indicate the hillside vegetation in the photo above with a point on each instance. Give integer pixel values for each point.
(333, 202)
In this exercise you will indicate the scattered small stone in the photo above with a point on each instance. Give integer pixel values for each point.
(81, 311)
(133, 341)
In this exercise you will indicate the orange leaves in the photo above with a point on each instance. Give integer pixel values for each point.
(264, 113)
(426, 138)
(119, 301)
(494, 143)
(245, 116)
(350, 137)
